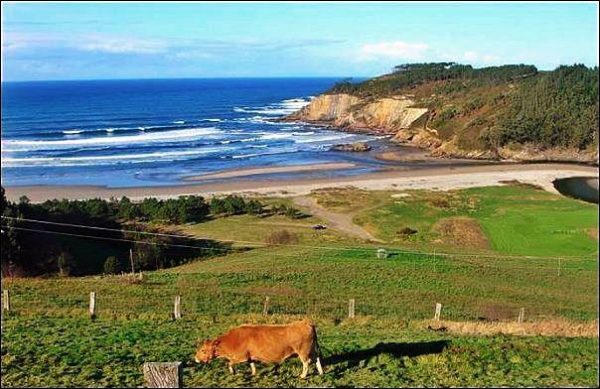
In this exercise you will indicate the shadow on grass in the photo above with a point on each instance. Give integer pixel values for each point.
(396, 350)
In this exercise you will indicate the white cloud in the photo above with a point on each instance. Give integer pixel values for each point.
(393, 50)
(120, 45)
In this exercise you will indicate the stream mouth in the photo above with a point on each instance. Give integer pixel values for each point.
(582, 188)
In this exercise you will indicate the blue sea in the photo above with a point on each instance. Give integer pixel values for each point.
(124, 133)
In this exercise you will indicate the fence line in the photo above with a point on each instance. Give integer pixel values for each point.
(231, 250)
(335, 308)
(341, 248)
(423, 262)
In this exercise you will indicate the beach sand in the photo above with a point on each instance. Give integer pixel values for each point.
(438, 178)
(271, 170)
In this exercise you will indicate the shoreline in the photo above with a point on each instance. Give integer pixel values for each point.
(434, 178)
(252, 171)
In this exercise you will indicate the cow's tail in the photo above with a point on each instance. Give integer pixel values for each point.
(315, 339)
(317, 348)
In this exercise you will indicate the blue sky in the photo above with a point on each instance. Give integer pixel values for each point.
(55, 41)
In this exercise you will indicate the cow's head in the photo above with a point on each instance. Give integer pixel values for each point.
(207, 351)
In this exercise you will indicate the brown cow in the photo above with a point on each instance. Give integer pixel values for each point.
(265, 343)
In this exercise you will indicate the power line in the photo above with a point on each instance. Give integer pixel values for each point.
(422, 263)
(120, 240)
(262, 244)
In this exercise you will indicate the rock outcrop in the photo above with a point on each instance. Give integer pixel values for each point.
(399, 117)
(386, 115)
(353, 147)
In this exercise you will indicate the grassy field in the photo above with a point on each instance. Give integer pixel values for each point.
(47, 338)
(513, 219)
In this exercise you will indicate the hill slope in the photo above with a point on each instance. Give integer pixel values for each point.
(505, 112)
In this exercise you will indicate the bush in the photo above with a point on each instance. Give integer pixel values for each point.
(282, 237)
(111, 265)
(64, 262)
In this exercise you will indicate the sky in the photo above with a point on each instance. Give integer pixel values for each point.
(60, 41)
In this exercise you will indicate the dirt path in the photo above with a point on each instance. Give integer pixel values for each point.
(339, 221)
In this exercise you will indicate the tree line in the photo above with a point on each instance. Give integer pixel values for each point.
(556, 108)
(73, 250)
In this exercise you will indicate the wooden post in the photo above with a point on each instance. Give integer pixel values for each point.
(177, 308)
(521, 315)
(131, 260)
(163, 374)
(92, 305)
(6, 301)
(438, 311)
(351, 308)
(266, 306)
(559, 267)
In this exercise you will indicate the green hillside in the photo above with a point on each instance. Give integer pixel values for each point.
(496, 106)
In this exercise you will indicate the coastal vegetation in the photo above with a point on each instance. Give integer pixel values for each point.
(49, 340)
(123, 233)
(493, 107)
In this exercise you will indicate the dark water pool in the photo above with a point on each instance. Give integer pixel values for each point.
(583, 188)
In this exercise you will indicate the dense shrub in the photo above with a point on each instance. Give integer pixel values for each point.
(111, 265)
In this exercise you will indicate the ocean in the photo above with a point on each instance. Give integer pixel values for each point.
(132, 133)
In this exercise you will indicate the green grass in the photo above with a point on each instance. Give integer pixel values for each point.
(515, 219)
(76, 352)
(48, 340)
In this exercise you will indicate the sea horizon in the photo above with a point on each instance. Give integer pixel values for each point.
(153, 132)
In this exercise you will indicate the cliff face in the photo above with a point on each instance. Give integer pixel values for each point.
(386, 115)
(413, 126)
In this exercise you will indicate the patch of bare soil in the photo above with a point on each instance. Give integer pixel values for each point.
(593, 233)
(552, 327)
(461, 231)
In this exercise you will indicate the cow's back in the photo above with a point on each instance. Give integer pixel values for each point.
(269, 343)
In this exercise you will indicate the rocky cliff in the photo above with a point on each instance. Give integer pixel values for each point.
(385, 115)
(412, 125)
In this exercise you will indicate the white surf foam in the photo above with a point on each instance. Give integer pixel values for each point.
(324, 138)
(166, 136)
(109, 159)
(72, 132)
(179, 122)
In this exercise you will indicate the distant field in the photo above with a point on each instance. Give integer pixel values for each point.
(49, 340)
(513, 219)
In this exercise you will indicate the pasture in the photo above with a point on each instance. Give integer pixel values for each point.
(48, 338)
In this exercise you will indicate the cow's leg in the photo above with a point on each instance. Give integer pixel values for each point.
(253, 367)
(305, 363)
(231, 370)
(319, 367)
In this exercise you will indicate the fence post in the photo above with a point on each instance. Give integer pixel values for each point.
(559, 267)
(6, 301)
(92, 305)
(162, 374)
(131, 260)
(177, 308)
(521, 315)
(438, 311)
(266, 306)
(351, 308)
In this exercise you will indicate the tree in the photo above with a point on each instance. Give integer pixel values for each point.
(111, 265)
(64, 262)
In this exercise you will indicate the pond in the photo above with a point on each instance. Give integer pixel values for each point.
(583, 188)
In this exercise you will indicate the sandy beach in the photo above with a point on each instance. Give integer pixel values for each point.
(271, 170)
(438, 178)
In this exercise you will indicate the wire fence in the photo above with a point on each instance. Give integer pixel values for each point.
(383, 281)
